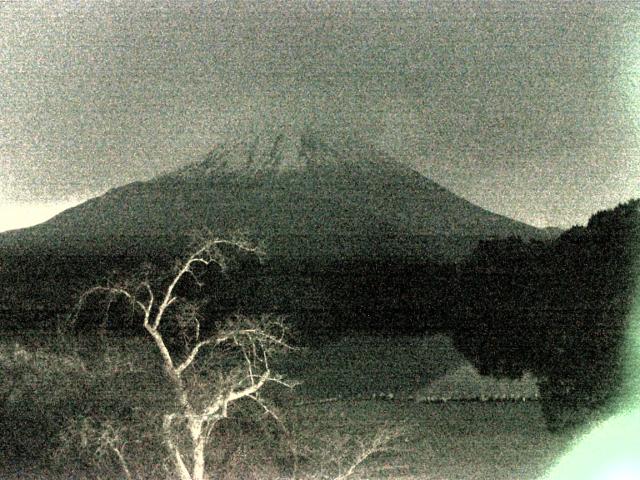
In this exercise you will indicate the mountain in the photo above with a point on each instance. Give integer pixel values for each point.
(352, 235)
(302, 195)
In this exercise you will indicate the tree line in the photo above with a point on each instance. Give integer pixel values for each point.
(558, 309)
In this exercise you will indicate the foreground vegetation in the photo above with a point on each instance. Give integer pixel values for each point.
(65, 413)
(166, 391)
(197, 378)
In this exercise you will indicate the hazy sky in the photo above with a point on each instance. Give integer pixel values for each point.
(531, 110)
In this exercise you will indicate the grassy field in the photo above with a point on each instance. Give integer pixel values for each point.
(405, 367)
(453, 440)
(46, 387)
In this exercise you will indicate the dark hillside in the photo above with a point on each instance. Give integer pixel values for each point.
(558, 309)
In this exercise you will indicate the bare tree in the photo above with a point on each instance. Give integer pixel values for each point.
(202, 402)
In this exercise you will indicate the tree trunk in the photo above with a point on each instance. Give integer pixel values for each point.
(198, 443)
(198, 460)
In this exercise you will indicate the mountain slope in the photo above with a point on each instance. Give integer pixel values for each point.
(298, 193)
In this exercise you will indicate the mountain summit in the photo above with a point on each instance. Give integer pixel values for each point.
(288, 151)
(299, 193)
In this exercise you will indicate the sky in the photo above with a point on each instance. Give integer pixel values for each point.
(528, 109)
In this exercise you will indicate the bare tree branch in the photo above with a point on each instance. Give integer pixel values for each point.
(193, 354)
(181, 468)
(200, 403)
